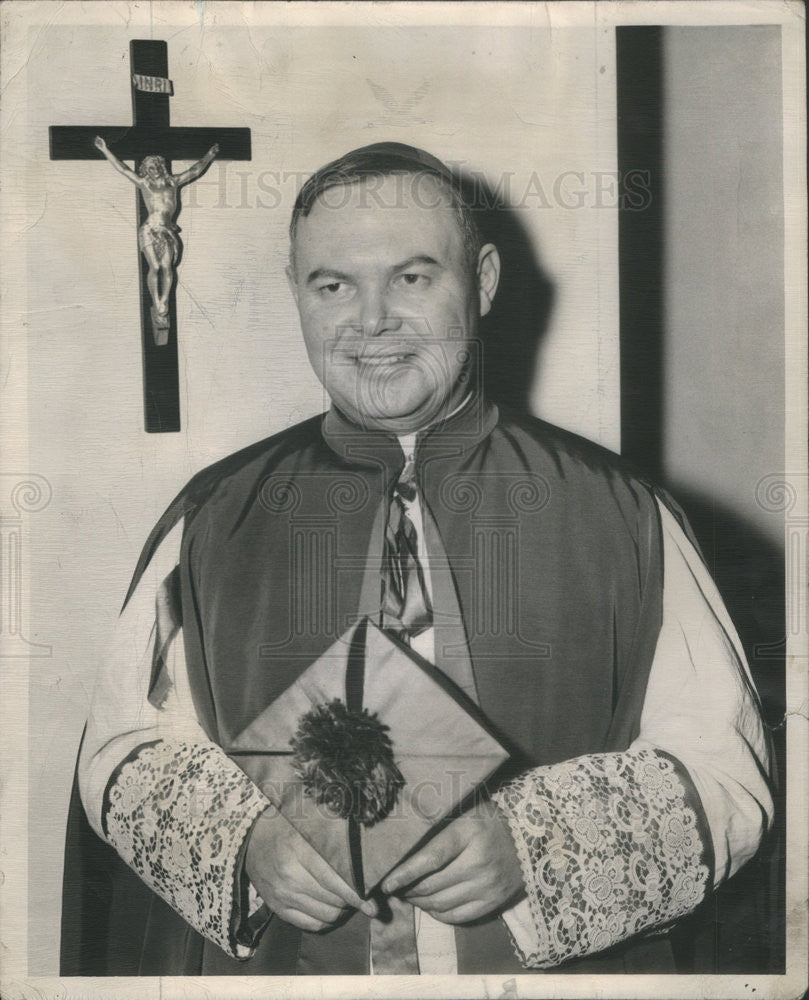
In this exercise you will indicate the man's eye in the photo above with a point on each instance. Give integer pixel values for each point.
(332, 288)
(413, 280)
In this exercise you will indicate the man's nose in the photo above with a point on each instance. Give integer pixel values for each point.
(375, 317)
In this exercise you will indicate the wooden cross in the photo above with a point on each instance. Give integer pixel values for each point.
(151, 135)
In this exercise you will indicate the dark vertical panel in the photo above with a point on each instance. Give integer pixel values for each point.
(639, 52)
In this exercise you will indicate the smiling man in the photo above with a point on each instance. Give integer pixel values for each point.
(548, 584)
(390, 284)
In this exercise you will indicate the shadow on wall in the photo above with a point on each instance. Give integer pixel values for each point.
(749, 572)
(512, 332)
(741, 929)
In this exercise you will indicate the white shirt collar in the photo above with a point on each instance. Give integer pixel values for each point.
(407, 442)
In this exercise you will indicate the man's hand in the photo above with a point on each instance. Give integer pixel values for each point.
(99, 143)
(467, 870)
(293, 879)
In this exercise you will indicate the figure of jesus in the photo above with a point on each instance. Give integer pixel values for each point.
(158, 239)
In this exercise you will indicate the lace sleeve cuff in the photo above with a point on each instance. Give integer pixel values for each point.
(178, 814)
(610, 846)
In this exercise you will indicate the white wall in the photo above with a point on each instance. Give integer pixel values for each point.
(536, 98)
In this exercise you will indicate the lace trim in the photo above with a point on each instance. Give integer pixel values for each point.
(609, 847)
(178, 814)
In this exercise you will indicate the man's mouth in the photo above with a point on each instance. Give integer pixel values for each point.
(379, 359)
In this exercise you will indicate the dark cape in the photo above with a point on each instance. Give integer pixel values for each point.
(555, 549)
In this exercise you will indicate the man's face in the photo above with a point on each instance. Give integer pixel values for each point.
(388, 301)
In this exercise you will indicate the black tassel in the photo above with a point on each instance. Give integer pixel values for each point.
(345, 761)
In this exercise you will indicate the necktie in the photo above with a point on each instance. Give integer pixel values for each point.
(406, 611)
(406, 606)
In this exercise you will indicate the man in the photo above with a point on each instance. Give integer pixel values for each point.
(158, 239)
(555, 588)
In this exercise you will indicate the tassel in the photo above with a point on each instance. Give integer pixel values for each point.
(345, 761)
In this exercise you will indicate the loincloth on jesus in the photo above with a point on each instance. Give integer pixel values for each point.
(160, 237)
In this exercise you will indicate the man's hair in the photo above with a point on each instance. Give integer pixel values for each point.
(384, 159)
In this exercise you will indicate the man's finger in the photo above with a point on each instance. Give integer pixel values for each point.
(327, 878)
(308, 884)
(431, 858)
(447, 899)
(462, 914)
(450, 875)
(318, 909)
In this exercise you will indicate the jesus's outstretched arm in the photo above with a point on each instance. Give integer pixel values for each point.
(198, 168)
(122, 168)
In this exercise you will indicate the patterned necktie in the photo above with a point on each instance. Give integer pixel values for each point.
(406, 608)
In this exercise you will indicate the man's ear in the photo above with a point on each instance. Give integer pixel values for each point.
(488, 276)
(293, 285)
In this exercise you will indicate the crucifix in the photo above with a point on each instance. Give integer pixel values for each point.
(153, 143)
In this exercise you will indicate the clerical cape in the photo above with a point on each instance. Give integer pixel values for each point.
(550, 607)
